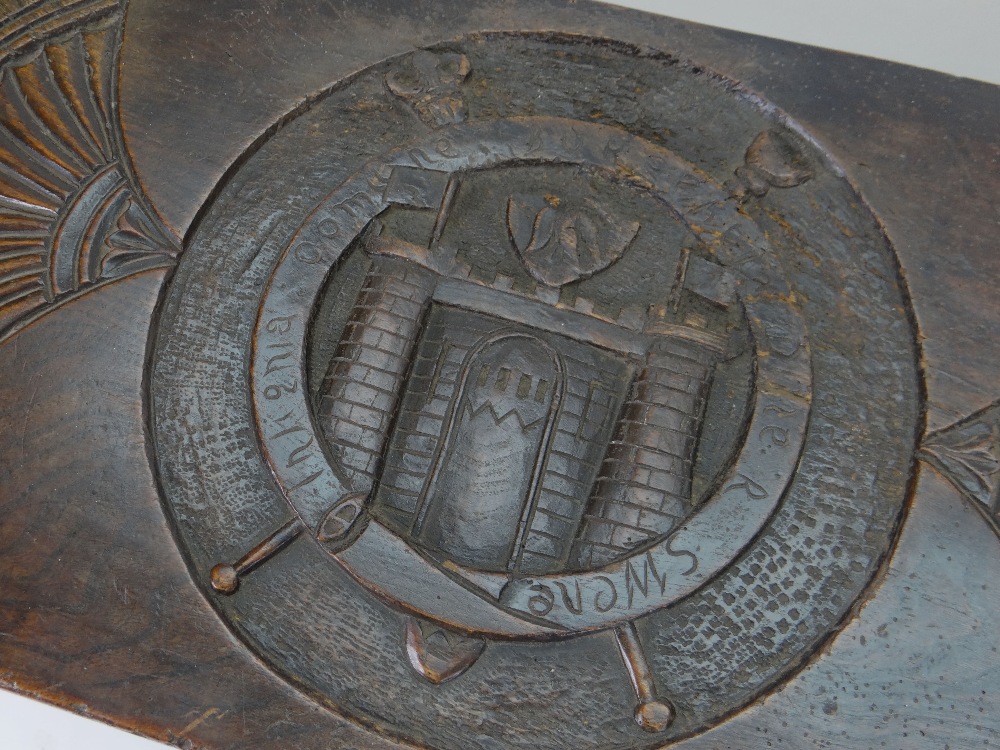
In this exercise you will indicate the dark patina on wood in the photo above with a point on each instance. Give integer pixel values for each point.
(533, 376)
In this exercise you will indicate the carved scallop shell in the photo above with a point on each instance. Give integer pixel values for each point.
(69, 219)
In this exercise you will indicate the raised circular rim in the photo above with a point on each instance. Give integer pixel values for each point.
(174, 398)
(685, 560)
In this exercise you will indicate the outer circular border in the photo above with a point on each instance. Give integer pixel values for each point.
(749, 493)
(696, 648)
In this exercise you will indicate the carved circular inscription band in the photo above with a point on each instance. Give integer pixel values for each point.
(511, 393)
(679, 564)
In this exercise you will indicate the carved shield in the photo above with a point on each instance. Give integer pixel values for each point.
(560, 243)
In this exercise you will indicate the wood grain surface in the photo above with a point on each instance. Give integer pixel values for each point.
(125, 126)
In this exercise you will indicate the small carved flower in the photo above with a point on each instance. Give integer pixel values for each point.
(430, 83)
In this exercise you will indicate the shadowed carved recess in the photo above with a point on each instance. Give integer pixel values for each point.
(69, 218)
(968, 454)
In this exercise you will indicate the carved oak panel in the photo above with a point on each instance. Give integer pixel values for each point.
(531, 387)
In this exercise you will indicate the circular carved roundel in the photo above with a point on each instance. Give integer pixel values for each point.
(532, 392)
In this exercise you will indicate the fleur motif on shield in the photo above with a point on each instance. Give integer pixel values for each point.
(560, 243)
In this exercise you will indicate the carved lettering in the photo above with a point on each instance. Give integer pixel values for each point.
(778, 411)
(682, 553)
(277, 390)
(308, 480)
(358, 205)
(446, 148)
(632, 579)
(300, 454)
(575, 607)
(285, 417)
(273, 364)
(380, 179)
(611, 595)
(290, 431)
(329, 227)
(542, 602)
(421, 158)
(778, 435)
(307, 252)
(754, 491)
(280, 324)
(352, 211)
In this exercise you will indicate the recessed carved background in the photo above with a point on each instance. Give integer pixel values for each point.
(654, 187)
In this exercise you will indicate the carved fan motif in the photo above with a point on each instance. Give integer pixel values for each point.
(968, 454)
(69, 219)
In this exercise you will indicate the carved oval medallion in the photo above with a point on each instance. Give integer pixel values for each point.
(537, 392)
